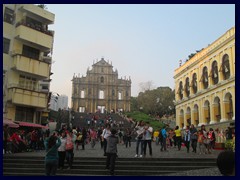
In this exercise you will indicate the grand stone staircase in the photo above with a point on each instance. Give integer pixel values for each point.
(95, 166)
(80, 119)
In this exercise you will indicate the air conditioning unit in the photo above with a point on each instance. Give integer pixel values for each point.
(47, 59)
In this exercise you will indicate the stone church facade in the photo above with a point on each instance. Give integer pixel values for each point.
(101, 90)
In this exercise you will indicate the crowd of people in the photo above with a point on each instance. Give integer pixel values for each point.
(19, 140)
(61, 145)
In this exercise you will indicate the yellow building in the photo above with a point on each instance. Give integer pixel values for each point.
(27, 49)
(205, 85)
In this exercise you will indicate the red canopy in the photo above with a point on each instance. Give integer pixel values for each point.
(31, 125)
(10, 123)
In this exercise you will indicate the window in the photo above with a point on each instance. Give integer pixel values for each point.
(82, 109)
(126, 93)
(82, 94)
(27, 82)
(205, 77)
(226, 67)
(215, 72)
(101, 94)
(45, 87)
(113, 92)
(180, 90)
(30, 52)
(119, 96)
(194, 83)
(24, 114)
(187, 88)
(102, 79)
(6, 45)
(34, 24)
(9, 15)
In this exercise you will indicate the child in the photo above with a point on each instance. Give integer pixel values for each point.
(200, 142)
(111, 151)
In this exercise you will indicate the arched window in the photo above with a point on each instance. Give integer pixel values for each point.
(180, 90)
(215, 72)
(194, 83)
(187, 87)
(102, 79)
(225, 67)
(205, 77)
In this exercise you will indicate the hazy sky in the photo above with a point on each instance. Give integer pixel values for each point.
(144, 42)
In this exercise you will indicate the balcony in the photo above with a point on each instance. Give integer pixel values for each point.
(20, 96)
(31, 66)
(35, 35)
(38, 13)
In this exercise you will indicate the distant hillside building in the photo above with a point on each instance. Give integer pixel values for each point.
(101, 90)
(205, 85)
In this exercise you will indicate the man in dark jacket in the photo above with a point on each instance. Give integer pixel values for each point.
(111, 151)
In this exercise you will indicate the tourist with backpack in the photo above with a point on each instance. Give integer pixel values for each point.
(164, 139)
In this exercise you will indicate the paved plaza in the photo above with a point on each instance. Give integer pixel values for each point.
(131, 151)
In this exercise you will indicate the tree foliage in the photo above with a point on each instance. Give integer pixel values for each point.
(43, 6)
(157, 102)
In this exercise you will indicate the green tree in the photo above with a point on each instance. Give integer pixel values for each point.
(157, 101)
(43, 6)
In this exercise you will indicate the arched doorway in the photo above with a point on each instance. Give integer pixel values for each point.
(181, 119)
(188, 116)
(216, 110)
(195, 115)
(228, 106)
(207, 117)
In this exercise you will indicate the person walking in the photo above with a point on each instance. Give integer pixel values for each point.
(128, 137)
(178, 134)
(62, 150)
(206, 140)
(193, 132)
(139, 130)
(187, 138)
(93, 137)
(201, 145)
(155, 137)
(164, 139)
(69, 148)
(106, 133)
(111, 151)
(147, 138)
(51, 158)
(84, 137)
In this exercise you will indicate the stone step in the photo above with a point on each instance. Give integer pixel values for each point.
(34, 166)
(135, 163)
(88, 172)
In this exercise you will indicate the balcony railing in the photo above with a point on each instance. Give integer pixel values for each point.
(35, 27)
(31, 66)
(43, 39)
(23, 96)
